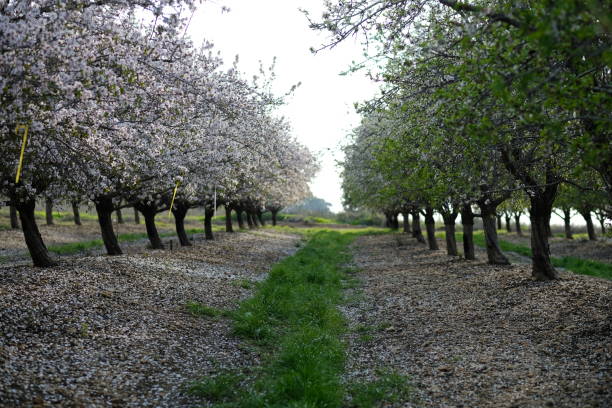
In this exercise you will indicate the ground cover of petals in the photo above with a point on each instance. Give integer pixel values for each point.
(114, 331)
(473, 335)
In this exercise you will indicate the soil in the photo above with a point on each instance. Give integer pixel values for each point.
(114, 331)
(470, 334)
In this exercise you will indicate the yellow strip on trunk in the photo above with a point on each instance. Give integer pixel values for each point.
(23, 145)
(173, 196)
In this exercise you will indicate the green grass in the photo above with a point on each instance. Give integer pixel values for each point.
(294, 320)
(390, 387)
(571, 263)
(198, 309)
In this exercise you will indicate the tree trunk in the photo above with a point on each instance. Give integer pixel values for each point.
(49, 211)
(517, 222)
(567, 216)
(274, 212)
(494, 253)
(395, 220)
(547, 225)
(416, 226)
(228, 219)
(136, 216)
(38, 251)
(430, 225)
(239, 218)
(602, 222)
(508, 224)
(119, 216)
(208, 214)
(540, 212)
(589, 223)
(149, 214)
(75, 213)
(260, 218)
(104, 208)
(179, 210)
(14, 217)
(249, 219)
(467, 220)
(449, 229)
(499, 221)
(406, 223)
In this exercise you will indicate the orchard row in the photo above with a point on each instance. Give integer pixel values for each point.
(122, 109)
(483, 106)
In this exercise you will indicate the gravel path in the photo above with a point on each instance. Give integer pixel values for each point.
(473, 335)
(113, 331)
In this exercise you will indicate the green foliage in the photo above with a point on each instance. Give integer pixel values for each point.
(222, 387)
(198, 309)
(390, 387)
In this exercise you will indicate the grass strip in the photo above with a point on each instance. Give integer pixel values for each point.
(294, 318)
(571, 263)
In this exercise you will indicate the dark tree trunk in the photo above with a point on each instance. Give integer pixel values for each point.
(249, 219)
(388, 222)
(540, 212)
(517, 222)
(567, 216)
(416, 226)
(260, 218)
(119, 216)
(430, 225)
(228, 219)
(494, 253)
(467, 220)
(75, 213)
(209, 212)
(36, 246)
(49, 211)
(274, 212)
(14, 217)
(136, 216)
(499, 221)
(239, 218)
(602, 223)
(179, 210)
(449, 229)
(508, 223)
(406, 223)
(149, 213)
(104, 208)
(589, 223)
(395, 220)
(547, 225)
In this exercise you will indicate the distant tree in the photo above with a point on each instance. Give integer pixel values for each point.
(311, 206)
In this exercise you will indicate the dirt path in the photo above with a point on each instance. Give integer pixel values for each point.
(473, 335)
(114, 331)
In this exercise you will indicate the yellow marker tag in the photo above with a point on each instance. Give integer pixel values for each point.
(23, 145)
(173, 196)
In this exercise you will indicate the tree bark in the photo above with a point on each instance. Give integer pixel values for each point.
(49, 211)
(494, 253)
(119, 216)
(467, 220)
(589, 223)
(260, 218)
(239, 218)
(517, 223)
(499, 221)
(76, 213)
(228, 218)
(208, 215)
(104, 208)
(406, 223)
(449, 230)
(567, 216)
(416, 226)
(274, 212)
(508, 224)
(36, 246)
(149, 213)
(388, 220)
(430, 225)
(14, 217)
(249, 220)
(136, 216)
(540, 212)
(395, 220)
(179, 210)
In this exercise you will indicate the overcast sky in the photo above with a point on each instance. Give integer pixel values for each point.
(321, 110)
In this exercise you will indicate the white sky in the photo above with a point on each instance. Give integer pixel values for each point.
(321, 110)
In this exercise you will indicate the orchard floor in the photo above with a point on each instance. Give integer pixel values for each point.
(114, 331)
(473, 335)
